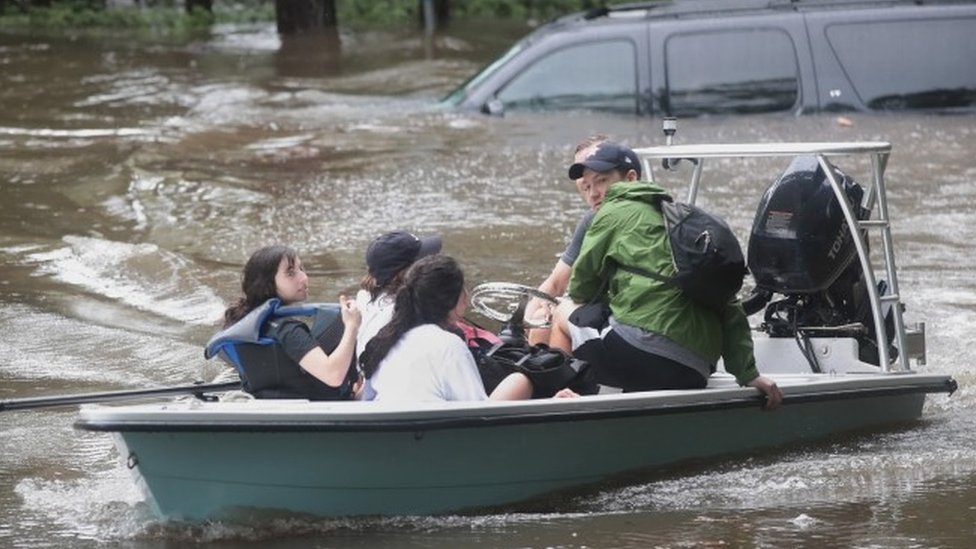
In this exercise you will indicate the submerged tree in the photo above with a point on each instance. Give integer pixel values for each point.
(302, 16)
(440, 11)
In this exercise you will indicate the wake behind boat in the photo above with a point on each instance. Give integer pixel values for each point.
(833, 339)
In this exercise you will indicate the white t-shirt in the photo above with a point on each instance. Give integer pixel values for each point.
(376, 314)
(428, 363)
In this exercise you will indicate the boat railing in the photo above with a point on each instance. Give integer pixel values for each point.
(879, 152)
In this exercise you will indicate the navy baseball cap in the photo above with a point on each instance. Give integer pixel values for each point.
(608, 156)
(392, 252)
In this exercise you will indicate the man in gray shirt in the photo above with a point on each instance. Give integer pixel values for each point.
(558, 280)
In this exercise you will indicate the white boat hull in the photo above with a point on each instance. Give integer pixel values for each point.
(216, 460)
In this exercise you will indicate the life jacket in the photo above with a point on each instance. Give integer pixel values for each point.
(265, 370)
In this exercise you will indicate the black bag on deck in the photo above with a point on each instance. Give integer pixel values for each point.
(548, 369)
(708, 262)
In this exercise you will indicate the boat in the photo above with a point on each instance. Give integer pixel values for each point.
(229, 456)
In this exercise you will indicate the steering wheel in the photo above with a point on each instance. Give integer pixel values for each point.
(501, 300)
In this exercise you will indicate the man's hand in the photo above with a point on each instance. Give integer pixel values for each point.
(774, 396)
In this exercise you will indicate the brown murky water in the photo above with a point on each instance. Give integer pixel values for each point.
(136, 176)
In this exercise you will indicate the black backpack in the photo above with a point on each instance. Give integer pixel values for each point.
(708, 262)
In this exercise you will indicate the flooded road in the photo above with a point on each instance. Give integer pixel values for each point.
(137, 175)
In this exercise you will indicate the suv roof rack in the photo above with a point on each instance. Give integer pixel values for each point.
(675, 8)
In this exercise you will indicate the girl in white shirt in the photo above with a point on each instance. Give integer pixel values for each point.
(419, 355)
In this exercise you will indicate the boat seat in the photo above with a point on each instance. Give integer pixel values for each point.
(782, 355)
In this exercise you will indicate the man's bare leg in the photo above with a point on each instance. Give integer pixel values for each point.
(559, 337)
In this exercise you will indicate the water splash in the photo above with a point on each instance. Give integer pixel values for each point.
(142, 276)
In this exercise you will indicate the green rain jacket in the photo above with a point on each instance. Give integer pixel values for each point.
(628, 229)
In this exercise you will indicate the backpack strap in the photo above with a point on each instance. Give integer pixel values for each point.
(638, 271)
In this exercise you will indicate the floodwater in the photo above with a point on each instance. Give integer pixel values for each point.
(136, 175)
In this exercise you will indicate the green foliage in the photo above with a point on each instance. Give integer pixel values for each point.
(165, 16)
(244, 11)
(407, 11)
(74, 14)
(491, 9)
(376, 11)
(169, 16)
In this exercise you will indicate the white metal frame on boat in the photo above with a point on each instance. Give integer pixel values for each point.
(879, 151)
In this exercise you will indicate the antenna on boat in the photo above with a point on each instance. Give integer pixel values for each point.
(669, 125)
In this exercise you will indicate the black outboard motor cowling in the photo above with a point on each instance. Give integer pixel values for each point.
(800, 241)
(801, 247)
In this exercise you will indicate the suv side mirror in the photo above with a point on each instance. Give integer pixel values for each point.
(494, 107)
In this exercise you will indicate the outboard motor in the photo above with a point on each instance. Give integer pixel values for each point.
(802, 248)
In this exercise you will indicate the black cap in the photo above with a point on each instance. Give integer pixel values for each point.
(608, 156)
(392, 252)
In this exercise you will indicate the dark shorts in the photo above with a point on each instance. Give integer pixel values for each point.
(616, 363)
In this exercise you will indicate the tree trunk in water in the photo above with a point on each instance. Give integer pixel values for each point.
(302, 16)
(442, 11)
(206, 5)
(309, 55)
(310, 44)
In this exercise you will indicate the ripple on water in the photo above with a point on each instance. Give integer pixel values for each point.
(142, 276)
(860, 469)
(81, 353)
(100, 507)
(106, 507)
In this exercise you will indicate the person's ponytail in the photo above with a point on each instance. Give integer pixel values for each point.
(429, 293)
(404, 319)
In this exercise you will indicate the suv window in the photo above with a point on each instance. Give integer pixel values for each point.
(559, 80)
(914, 64)
(727, 72)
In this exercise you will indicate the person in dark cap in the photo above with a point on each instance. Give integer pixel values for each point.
(387, 259)
(603, 161)
(609, 162)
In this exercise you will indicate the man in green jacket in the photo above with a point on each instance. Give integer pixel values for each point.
(637, 332)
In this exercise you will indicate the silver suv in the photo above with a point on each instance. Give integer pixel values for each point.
(694, 57)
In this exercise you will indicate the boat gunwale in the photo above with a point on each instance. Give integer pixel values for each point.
(199, 418)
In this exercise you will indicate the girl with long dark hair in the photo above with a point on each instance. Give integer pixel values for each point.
(296, 366)
(420, 354)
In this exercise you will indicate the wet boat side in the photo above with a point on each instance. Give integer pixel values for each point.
(211, 460)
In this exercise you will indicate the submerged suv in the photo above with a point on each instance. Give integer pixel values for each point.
(694, 57)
